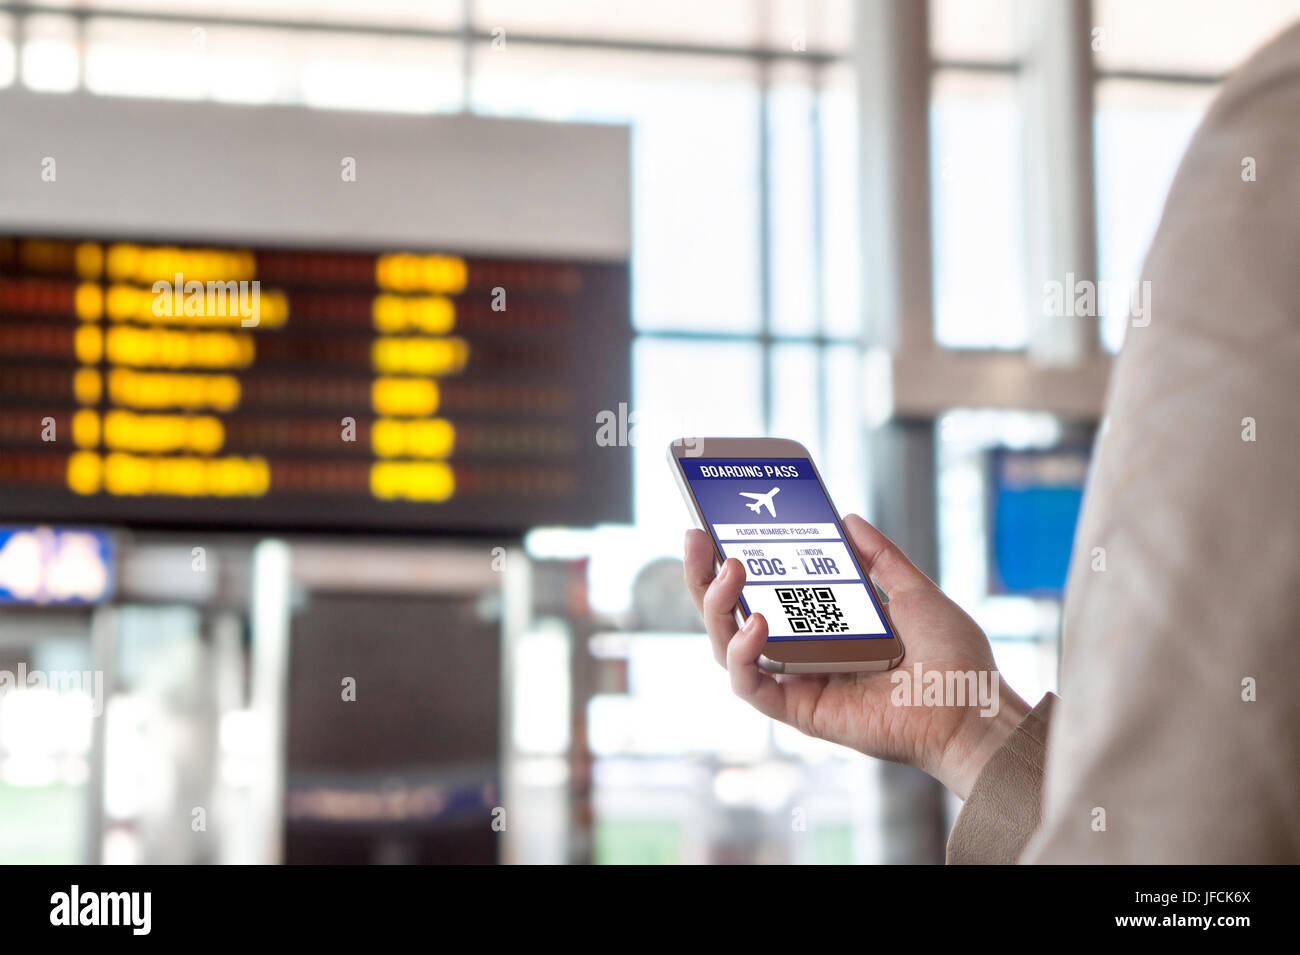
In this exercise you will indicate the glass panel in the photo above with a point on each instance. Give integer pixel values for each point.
(967, 30)
(976, 176)
(1185, 36)
(357, 72)
(1142, 130)
(252, 66)
(819, 25)
(792, 203)
(7, 62)
(841, 280)
(237, 64)
(796, 383)
(50, 62)
(843, 463)
(130, 58)
(694, 167)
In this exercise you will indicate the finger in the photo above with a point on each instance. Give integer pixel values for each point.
(698, 566)
(719, 604)
(882, 559)
(748, 680)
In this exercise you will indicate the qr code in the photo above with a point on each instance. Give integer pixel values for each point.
(812, 610)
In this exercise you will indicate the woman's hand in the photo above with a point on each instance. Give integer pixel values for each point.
(950, 743)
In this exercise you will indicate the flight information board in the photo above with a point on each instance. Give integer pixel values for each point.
(161, 384)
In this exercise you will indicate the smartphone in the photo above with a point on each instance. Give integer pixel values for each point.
(762, 501)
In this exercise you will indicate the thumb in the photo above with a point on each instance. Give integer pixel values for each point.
(882, 559)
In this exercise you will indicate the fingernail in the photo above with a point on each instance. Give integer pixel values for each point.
(726, 569)
(748, 628)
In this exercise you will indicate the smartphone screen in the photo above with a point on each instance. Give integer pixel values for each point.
(773, 515)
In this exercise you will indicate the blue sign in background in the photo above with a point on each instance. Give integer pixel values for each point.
(43, 565)
(1035, 498)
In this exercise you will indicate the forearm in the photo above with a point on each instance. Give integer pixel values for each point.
(1003, 804)
(969, 749)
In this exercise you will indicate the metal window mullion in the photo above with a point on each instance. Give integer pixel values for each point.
(467, 64)
(767, 352)
(817, 149)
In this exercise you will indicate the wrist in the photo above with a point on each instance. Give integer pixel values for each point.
(977, 738)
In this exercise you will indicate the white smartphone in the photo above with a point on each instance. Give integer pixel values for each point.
(762, 501)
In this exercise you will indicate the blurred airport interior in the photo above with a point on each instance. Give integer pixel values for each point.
(340, 342)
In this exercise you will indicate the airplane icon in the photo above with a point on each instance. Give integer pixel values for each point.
(762, 500)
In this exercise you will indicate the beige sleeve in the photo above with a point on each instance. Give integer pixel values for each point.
(1002, 810)
(1177, 739)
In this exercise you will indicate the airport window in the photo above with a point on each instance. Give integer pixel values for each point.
(1153, 86)
(980, 281)
(695, 206)
(7, 60)
(1143, 126)
(982, 34)
(50, 62)
(1139, 37)
(976, 176)
(841, 269)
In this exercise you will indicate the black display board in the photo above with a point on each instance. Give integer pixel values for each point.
(154, 384)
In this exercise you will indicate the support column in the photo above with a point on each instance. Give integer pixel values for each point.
(1056, 92)
(893, 60)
